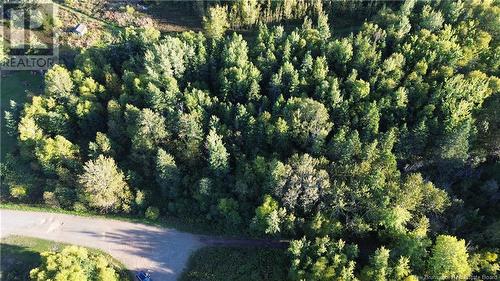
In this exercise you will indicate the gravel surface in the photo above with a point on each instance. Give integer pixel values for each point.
(161, 251)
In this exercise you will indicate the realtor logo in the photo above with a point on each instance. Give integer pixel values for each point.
(28, 35)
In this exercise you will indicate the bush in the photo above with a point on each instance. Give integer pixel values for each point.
(65, 196)
(50, 199)
(50, 23)
(18, 191)
(228, 209)
(140, 200)
(79, 207)
(73, 264)
(152, 213)
(129, 10)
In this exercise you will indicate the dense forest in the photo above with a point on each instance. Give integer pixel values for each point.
(376, 153)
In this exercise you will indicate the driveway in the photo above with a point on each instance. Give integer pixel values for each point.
(162, 251)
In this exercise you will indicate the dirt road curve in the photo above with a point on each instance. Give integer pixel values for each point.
(162, 251)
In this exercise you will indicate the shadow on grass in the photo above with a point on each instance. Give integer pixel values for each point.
(19, 255)
(16, 262)
(175, 16)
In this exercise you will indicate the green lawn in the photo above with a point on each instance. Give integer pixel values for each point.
(236, 264)
(21, 254)
(13, 86)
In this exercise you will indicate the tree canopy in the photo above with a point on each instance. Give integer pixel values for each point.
(74, 264)
(371, 144)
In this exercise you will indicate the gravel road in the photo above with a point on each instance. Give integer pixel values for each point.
(162, 251)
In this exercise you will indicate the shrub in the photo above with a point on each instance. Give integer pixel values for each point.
(50, 199)
(79, 207)
(74, 264)
(152, 213)
(140, 199)
(129, 10)
(18, 191)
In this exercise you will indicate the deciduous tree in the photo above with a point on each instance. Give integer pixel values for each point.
(104, 187)
(74, 264)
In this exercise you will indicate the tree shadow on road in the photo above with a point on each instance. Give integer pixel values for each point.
(165, 251)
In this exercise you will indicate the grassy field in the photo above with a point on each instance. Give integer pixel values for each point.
(236, 264)
(21, 254)
(14, 86)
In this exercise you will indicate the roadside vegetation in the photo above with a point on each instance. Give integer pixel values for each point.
(373, 148)
(236, 264)
(22, 257)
